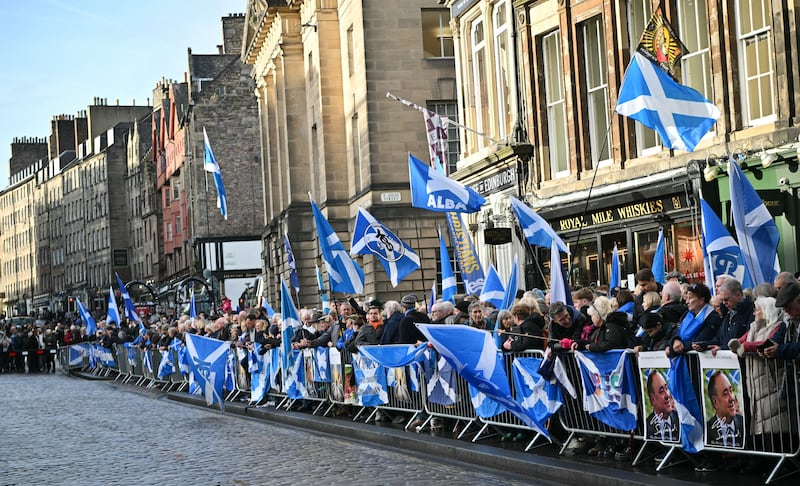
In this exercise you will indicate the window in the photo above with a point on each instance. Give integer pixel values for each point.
(450, 110)
(755, 59)
(479, 88)
(594, 54)
(437, 38)
(503, 68)
(639, 13)
(350, 52)
(693, 32)
(176, 189)
(169, 231)
(556, 150)
(355, 135)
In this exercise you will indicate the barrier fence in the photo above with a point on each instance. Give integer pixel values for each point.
(766, 397)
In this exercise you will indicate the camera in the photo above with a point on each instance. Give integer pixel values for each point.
(783, 181)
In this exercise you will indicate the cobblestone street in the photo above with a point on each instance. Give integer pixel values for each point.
(70, 431)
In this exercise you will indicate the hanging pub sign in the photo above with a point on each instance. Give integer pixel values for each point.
(497, 236)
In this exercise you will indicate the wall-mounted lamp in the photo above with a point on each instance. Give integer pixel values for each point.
(767, 158)
(313, 26)
(712, 168)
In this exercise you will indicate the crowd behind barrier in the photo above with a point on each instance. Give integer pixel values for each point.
(698, 384)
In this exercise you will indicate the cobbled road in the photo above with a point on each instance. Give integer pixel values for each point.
(63, 430)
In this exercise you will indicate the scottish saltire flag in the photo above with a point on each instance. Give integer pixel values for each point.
(345, 275)
(473, 354)
(147, 360)
(493, 290)
(484, 406)
(91, 326)
(230, 372)
(371, 380)
(322, 368)
(686, 404)
(558, 289)
(105, 356)
(259, 376)
(192, 307)
(658, 259)
(183, 357)
(552, 369)
(207, 365)
(130, 309)
(212, 166)
(291, 359)
(166, 367)
(679, 114)
(613, 282)
(755, 228)
(268, 308)
(691, 324)
(609, 392)
(371, 236)
(293, 278)
(432, 300)
(537, 231)
(466, 256)
(274, 360)
(434, 191)
(326, 306)
(394, 355)
(542, 397)
(511, 288)
(440, 379)
(75, 355)
(723, 255)
(449, 286)
(113, 310)
(92, 358)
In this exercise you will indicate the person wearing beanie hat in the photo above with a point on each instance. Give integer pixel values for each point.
(789, 300)
(409, 333)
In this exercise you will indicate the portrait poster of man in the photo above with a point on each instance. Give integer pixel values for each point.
(723, 405)
(661, 417)
(337, 377)
(399, 383)
(308, 367)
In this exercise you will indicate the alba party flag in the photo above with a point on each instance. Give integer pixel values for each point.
(722, 255)
(434, 191)
(371, 236)
(537, 231)
(212, 166)
(679, 114)
(345, 274)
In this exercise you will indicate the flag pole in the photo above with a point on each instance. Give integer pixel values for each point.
(422, 267)
(448, 120)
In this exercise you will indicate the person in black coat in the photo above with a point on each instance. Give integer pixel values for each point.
(409, 334)
(391, 328)
(566, 322)
(528, 331)
(610, 330)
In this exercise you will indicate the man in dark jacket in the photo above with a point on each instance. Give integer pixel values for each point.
(672, 308)
(391, 328)
(528, 332)
(409, 334)
(565, 322)
(738, 318)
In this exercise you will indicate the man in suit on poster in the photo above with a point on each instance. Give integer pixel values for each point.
(663, 423)
(726, 427)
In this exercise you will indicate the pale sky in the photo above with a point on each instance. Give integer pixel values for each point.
(57, 55)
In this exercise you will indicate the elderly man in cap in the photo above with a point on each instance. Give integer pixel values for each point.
(409, 334)
(789, 300)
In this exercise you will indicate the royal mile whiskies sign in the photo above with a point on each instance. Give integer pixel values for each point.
(623, 212)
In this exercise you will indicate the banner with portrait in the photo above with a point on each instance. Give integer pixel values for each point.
(661, 421)
(723, 403)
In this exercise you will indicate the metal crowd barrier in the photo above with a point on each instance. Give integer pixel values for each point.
(343, 387)
(402, 398)
(577, 421)
(460, 411)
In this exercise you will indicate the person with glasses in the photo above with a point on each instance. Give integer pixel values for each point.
(736, 321)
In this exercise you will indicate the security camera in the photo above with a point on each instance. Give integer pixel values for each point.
(783, 181)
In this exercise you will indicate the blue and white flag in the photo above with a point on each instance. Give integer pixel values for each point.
(230, 372)
(542, 397)
(130, 309)
(268, 308)
(259, 374)
(76, 353)
(113, 310)
(371, 236)
(493, 290)
(291, 359)
(344, 273)
(466, 256)
(183, 356)
(756, 230)
(432, 300)
(212, 166)
(686, 404)
(473, 354)
(293, 278)
(722, 255)
(371, 380)
(558, 289)
(440, 379)
(434, 191)
(394, 355)
(449, 286)
(511, 288)
(484, 406)
(166, 367)
(537, 231)
(658, 259)
(691, 323)
(609, 391)
(91, 326)
(613, 282)
(147, 360)
(105, 356)
(326, 306)
(322, 366)
(207, 365)
(679, 114)
(274, 359)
